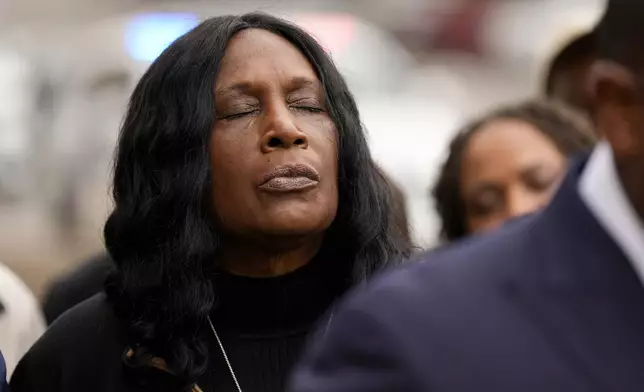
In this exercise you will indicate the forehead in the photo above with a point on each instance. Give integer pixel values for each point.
(507, 145)
(257, 55)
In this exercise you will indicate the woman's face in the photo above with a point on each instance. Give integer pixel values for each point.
(273, 147)
(509, 169)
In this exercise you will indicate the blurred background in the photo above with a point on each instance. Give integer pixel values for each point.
(418, 68)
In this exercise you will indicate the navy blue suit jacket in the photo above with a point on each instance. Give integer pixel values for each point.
(547, 304)
(3, 375)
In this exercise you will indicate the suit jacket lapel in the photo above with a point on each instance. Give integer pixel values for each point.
(3, 375)
(583, 294)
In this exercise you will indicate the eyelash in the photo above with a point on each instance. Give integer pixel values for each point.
(236, 116)
(311, 109)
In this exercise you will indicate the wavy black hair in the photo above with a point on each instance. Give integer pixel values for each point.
(566, 128)
(161, 234)
(399, 207)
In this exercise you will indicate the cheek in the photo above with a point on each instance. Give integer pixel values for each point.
(484, 225)
(637, 129)
(229, 168)
(323, 142)
(232, 150)
(529, 202)
(327, 144)
(552, 190)
(329, 157)
(622, 129)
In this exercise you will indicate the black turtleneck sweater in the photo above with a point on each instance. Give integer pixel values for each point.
(263, 324)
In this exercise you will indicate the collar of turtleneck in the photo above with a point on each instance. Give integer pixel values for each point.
(278, 305)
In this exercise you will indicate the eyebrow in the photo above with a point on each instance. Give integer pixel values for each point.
(236, 88)
(302, 82)
(296, 83)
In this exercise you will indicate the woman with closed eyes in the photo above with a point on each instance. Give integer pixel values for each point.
(507, 164)
(246, 203)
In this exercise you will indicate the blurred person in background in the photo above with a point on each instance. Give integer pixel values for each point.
(551, 302)
(246, 202)
(88, 278)
(3, 375)
(506, 164)
(567, 73)
(81, 283)
(21, 321)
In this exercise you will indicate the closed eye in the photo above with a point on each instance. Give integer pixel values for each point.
(238, 115)
(540, 178)
(485, 200)
(310, 109)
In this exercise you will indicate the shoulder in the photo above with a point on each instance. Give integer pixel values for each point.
(93, 321)
(446, 279)
(373, 340)
(82, 339)
(94, 269)
(95, 315)
(77, 286)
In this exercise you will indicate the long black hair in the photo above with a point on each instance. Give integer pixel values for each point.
(568, 130)
(160, 233)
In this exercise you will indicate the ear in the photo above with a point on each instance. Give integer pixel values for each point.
(617, 106)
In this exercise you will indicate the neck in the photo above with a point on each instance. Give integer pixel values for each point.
(240, 258)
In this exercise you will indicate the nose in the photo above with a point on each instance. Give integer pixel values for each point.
(281, 132)
(524, 203)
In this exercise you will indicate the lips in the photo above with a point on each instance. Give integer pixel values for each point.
(290, 178)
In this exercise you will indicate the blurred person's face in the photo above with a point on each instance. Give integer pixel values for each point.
(509, 169)
(618, 99)
(570, 85)
(273, 148)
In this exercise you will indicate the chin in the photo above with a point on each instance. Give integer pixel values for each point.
(292, 228)
(298, 223)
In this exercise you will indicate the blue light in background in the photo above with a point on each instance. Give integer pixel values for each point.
(147, 36)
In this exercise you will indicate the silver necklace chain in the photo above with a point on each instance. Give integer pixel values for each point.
(223, 350)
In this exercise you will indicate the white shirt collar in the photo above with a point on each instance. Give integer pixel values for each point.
(602, 192)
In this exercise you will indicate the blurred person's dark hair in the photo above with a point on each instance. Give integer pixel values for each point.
(75, 286)
(161, 235)
(569, 131)
(620, 33)
(567, 71)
